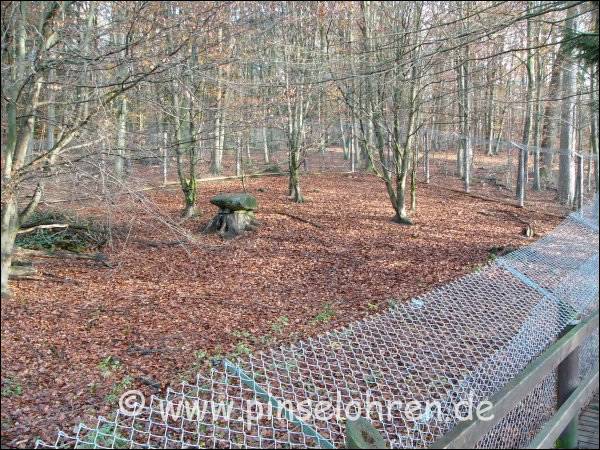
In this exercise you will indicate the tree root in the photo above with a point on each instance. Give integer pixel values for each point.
(158, 244)
(402, 220)
(298, 218)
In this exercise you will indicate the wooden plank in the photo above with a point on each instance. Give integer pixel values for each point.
(466, 434)
(588, 425)
(567, 378)
(570, 409)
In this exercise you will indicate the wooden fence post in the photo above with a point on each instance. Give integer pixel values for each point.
(568, 380)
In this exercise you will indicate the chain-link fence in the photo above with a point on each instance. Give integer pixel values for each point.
(150, 161)
(461, 342)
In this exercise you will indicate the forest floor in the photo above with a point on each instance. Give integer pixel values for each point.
(158, 310)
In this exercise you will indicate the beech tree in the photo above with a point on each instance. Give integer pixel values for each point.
(197, 87)
(60, 73)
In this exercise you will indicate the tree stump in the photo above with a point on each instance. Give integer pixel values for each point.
(528, 231)
(235, 216)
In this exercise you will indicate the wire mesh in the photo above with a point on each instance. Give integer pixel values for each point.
(220, 421)
(521, 424)
(463, 341)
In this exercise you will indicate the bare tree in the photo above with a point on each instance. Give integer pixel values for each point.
(566, 180)
(55, 44)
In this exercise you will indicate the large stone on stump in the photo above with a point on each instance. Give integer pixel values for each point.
(235, 216)
(235, 202)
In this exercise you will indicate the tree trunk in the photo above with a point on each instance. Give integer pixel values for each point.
(401, 213)
(19, 134)
(551, 117)
(566, 177)
(265, 145)
(428, 141)
(490, 118)
(539, 79)
(344, 139)
(355, 144)
(413, 184)
(524, 150)
(165, 149)
(594, 128)
(119, 162)
(10, 226)
(238, 157)
(216, 163)
(185, 146)
(464, 111)
(50, 126)
(295, 192)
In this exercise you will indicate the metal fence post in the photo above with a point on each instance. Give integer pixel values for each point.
(568, 380)
(579, 183)
(522, 170)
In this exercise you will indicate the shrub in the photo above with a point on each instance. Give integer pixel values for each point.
(81, 234)
(273, 168)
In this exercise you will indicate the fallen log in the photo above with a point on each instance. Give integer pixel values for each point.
(43, 227)
(21, 253)
(21, 272)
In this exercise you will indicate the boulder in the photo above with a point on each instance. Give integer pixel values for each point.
(235, 216)
(235, 201)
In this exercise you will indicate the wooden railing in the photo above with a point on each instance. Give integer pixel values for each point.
(572, 394)
(559, 431)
